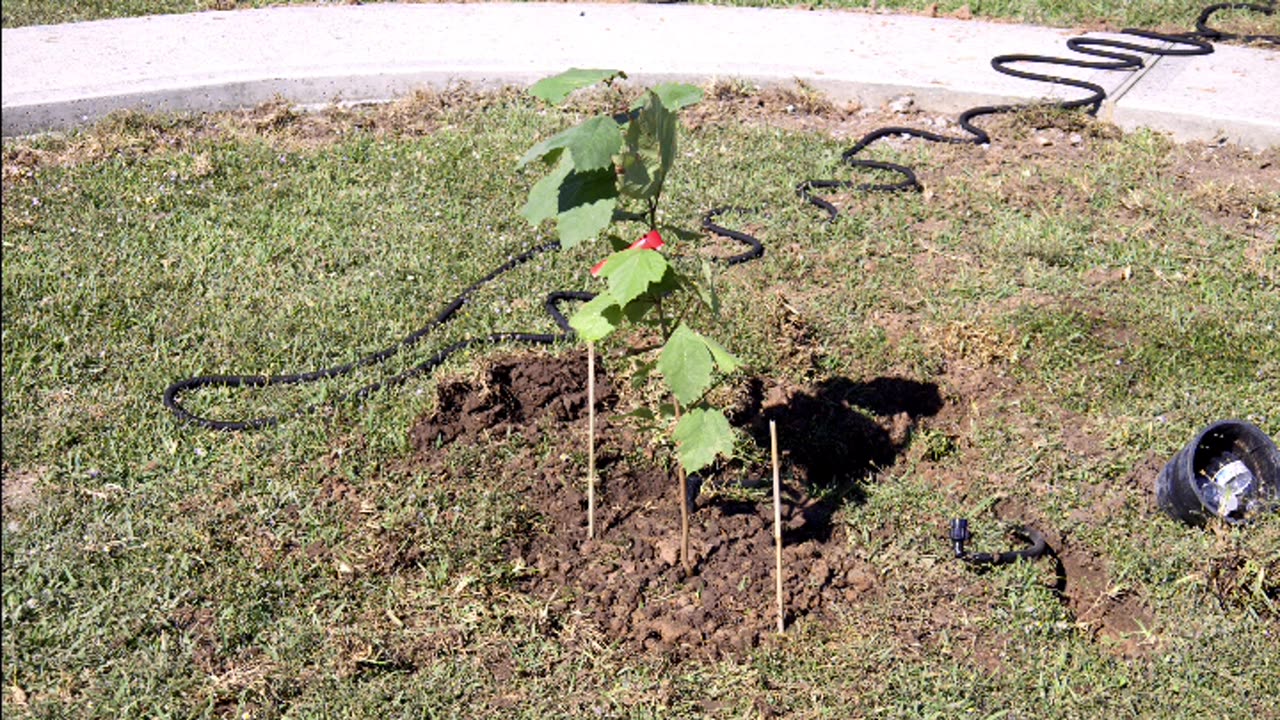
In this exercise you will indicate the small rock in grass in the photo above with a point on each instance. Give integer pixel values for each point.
(902, 104)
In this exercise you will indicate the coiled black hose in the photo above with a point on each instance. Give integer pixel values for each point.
(1203, 30)
(1114, 57)
(1115, 54)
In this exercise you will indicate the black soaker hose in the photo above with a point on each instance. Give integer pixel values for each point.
(1113, 58)
(552, 304)
(1195, 43)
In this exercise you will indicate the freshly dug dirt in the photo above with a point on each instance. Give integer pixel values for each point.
(513, 393)
(629, 581)
(629, 585)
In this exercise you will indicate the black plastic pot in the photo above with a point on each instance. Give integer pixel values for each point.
(1231, 470)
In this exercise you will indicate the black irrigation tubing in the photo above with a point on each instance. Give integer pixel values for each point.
(960, 535)
(552, 304)
(258, 381)
(1115, 55)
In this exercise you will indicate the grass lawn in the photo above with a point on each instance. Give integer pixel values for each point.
(1080, 302)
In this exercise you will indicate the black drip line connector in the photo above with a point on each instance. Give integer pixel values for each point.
(960, 535)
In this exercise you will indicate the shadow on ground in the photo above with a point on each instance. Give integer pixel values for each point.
(834, 437)
(629, 583)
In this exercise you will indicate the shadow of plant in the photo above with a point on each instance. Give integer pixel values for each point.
(833, 438)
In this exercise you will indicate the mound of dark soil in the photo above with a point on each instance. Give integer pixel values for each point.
(516, 393)
(629, 581)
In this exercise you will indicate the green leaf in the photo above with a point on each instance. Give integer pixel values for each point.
(581, 202)
(675, 96)
(650, 150)
(701, 435)
(641, 370)
(584, 222)
(642, 413)
(725, 360)
(549, 155)
(544, 196)
(706, 289)
(582, 187)
(592, 145)
(631, 272)
(686, 364)
(596, 318)
(638, 309)
(550, 148)
(678, 95)
(556, 88)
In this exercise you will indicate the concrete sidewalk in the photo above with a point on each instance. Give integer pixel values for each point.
(60, 76)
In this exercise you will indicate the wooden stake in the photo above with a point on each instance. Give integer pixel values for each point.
(777, 525)
(684, 520)
(684, 505)
(591, 440)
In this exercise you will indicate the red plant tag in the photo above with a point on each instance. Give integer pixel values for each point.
(652, 240)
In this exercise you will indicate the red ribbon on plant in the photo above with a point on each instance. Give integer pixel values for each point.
(652, 240)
